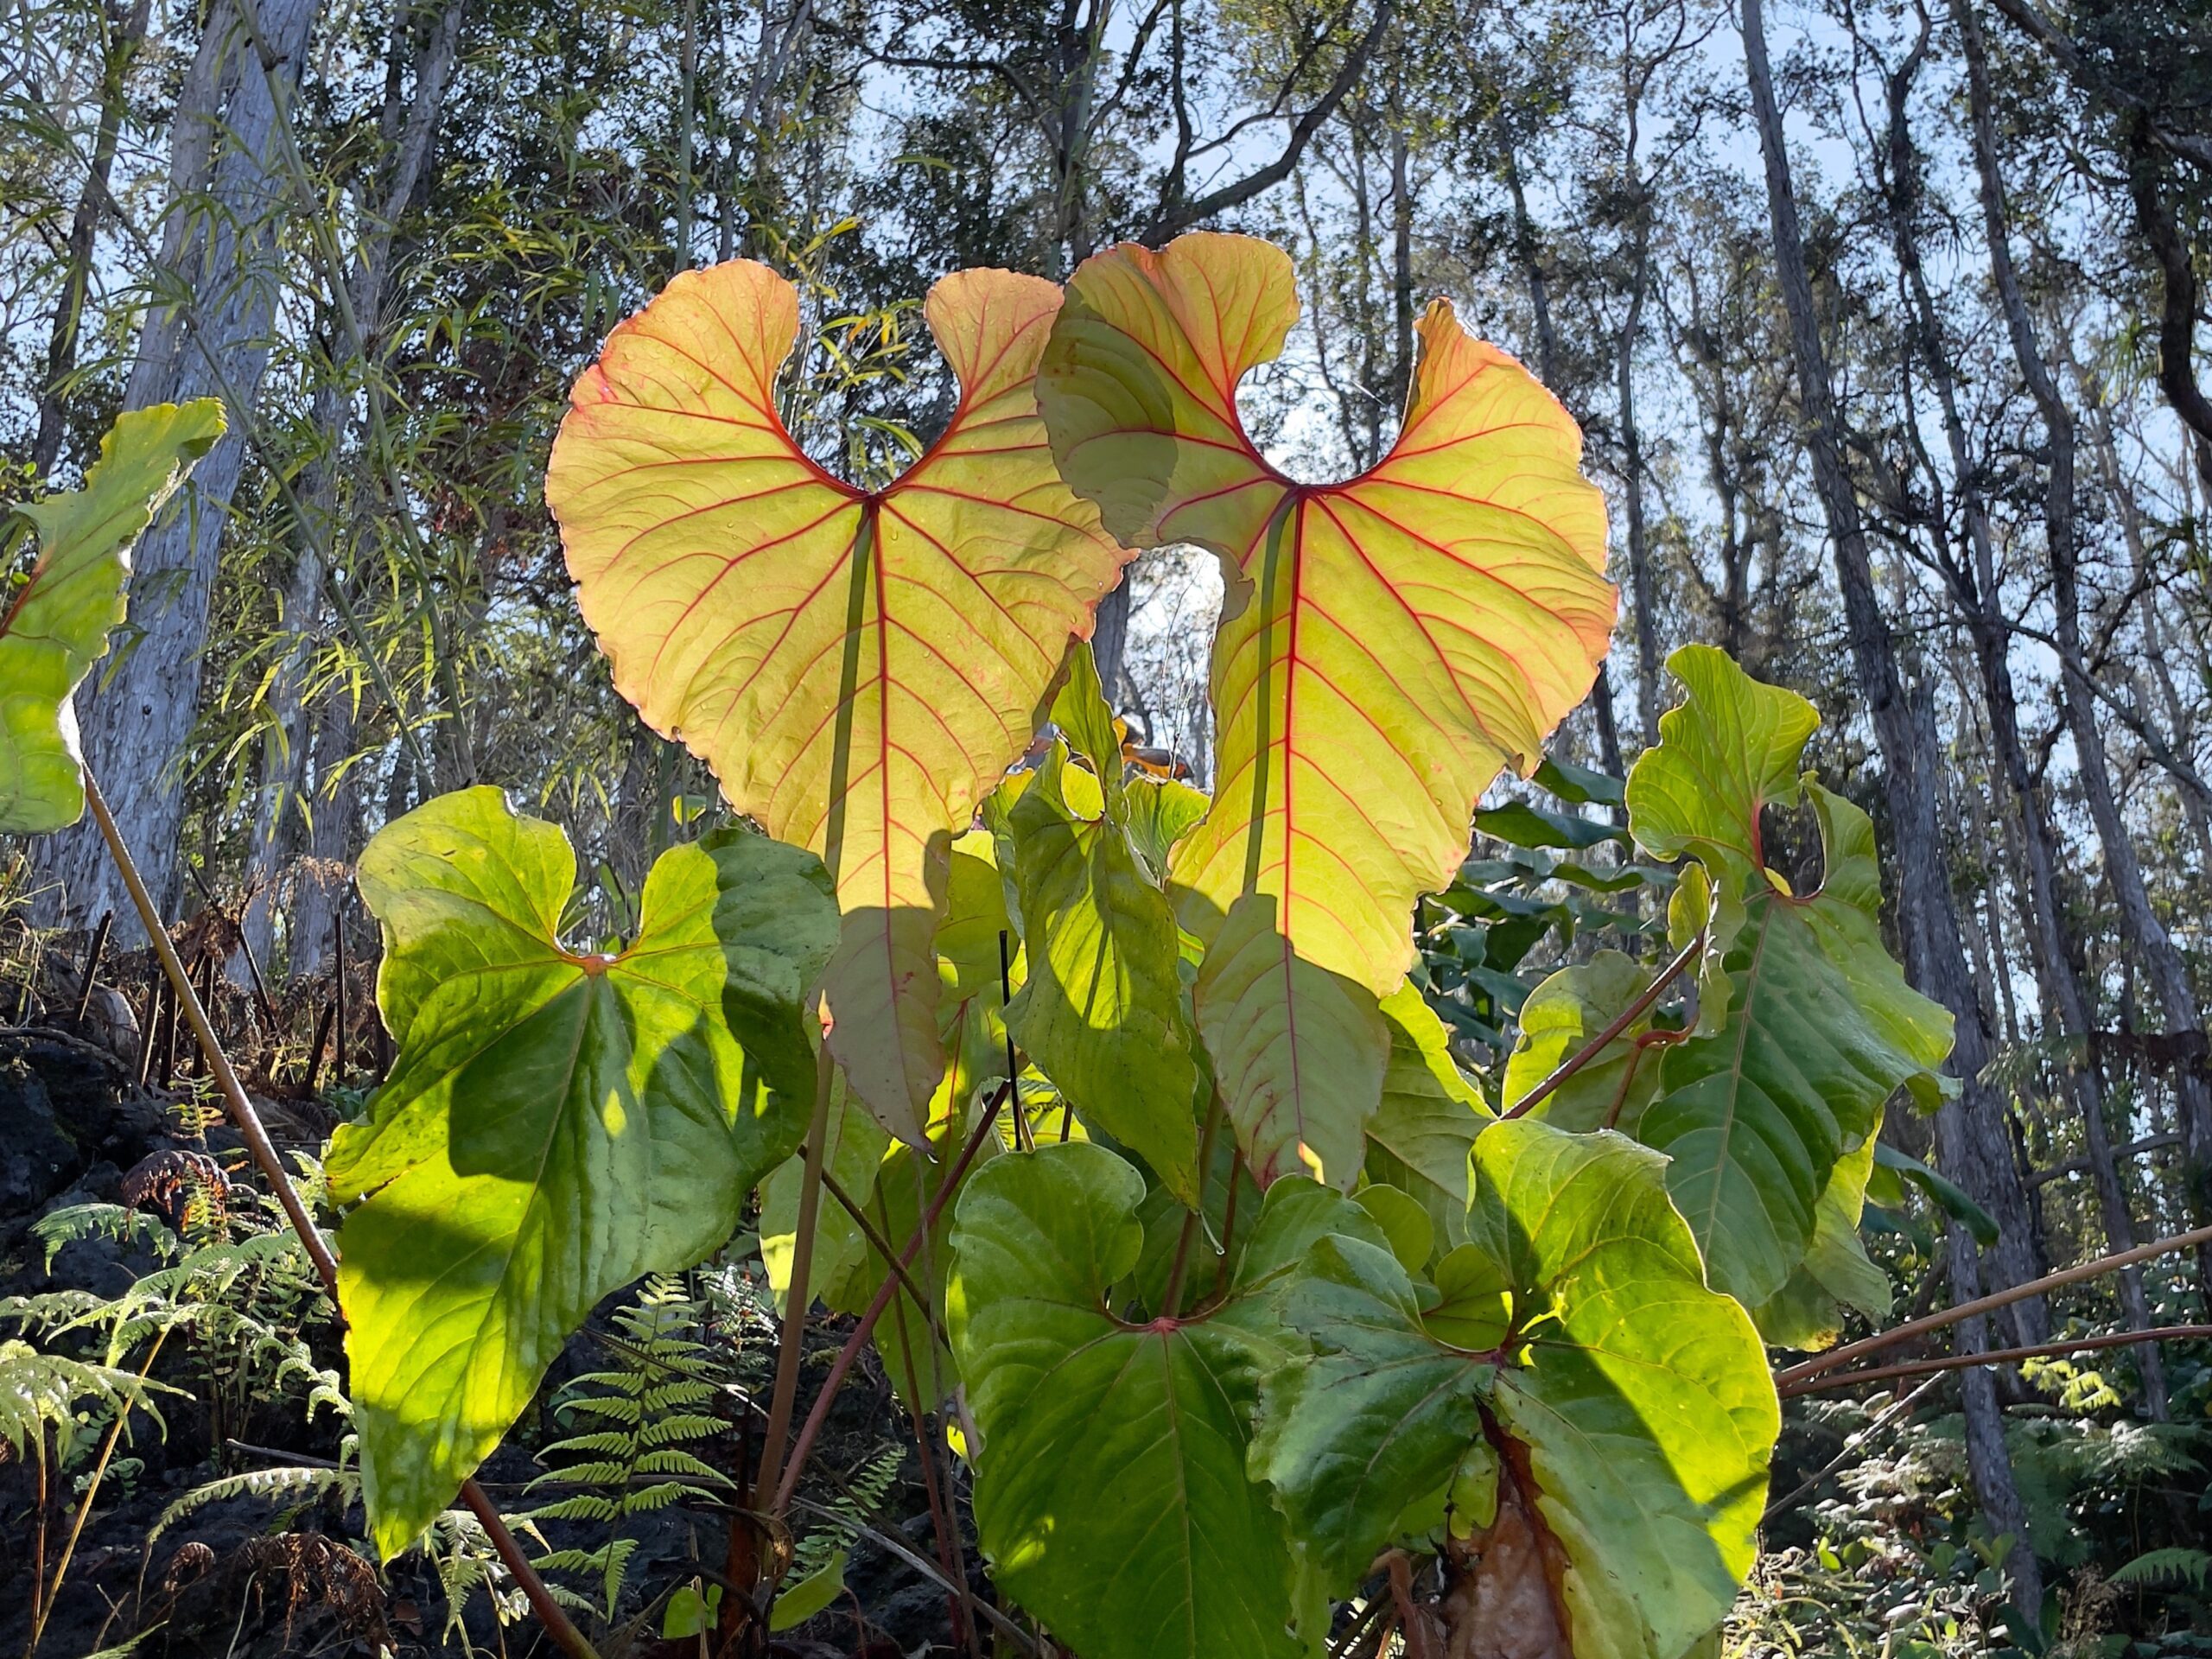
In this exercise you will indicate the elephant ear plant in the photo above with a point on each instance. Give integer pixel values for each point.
(1117, 1098)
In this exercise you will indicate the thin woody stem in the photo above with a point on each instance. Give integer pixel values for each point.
(843, 1364)
(1788, 1379)
(1996, 1356)
(799, 1293)
(557, 1625)
(1627, 1017)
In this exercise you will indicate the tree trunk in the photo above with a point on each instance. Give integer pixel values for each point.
(208, 334)
(1970, 1129)
(125, 33)
(408, 126)
(2140, 922)
(1639, 541)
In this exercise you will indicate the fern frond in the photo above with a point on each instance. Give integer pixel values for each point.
(39, 1390)
(286, 1481)
(2165, 1568)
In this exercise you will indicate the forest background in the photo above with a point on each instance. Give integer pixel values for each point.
(1879, 320)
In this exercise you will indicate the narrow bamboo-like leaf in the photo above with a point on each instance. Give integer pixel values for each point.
(1402, 636)
(1420, 1137)
(55, 627)
(1102, 1013)
(859, 668)
(557, 1123)
(1636, 1401)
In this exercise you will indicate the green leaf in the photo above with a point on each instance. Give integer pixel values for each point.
(1807, 1313)
(1580, 784)
(1642, 1397)
(1562, 1016)
(1298, 1052)
(1952, 1198)
(55, 627)
(1080, 710)
(1638, 1401)
(1111, 1497)
(1755, 1107)
(1102, 1013)
(799, 1602)
(1730, 749)
(1524, 825)
(1158, 812)
(557, 1123)
(1420, 1137)
(1352, 1437)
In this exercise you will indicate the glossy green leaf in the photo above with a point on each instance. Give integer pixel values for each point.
(1952, 1198)
(54, 627)
(1388, 644)
(797, 1603)
(1524, 825)
(1580, 784)
(1111, 1497)
(1103, 1012)
(557, 1123)
(859, 668)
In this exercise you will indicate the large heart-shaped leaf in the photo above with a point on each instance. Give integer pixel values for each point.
(1577, 1336)
(557, 1123)
(1111, 1496)
(857, 667)
(1821, 1028)
(1388, 644)
(54, 627)
(1807, 1312)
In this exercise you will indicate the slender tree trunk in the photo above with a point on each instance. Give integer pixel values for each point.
(410, 125)
(1639, 541)
(125, 35)
(219, 261)
(1970, 1129)
(2140, 922)
(1528, 256)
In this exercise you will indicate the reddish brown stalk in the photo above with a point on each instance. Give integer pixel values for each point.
(247, 1122)
(1627, 1017)
(1998, 1357)
(798, 1294)
(1790, 1378)
(843, 1364)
